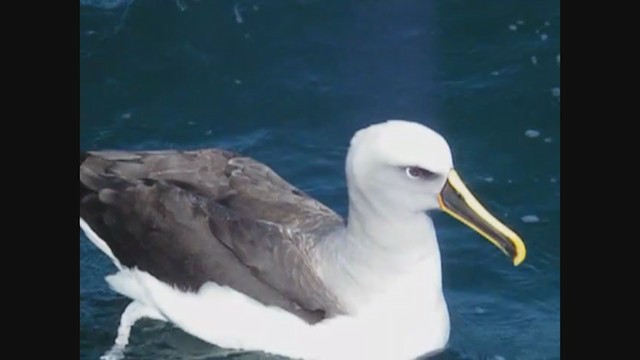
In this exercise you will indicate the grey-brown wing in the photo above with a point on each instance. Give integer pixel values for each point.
(193, 217)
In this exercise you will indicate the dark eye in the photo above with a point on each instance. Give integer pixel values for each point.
(415, 172)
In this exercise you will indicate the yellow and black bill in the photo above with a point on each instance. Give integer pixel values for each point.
(456, 200)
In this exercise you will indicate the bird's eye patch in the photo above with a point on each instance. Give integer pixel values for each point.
(416, 172)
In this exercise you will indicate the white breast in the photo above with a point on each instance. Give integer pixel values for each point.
(411, 319)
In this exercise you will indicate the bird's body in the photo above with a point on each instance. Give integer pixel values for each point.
(224, 248)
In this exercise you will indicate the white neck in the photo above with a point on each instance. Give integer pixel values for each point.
(379, 247)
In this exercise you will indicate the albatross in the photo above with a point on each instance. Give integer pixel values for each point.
(222, 247)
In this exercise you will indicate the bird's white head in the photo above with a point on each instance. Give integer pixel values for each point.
(404, 167)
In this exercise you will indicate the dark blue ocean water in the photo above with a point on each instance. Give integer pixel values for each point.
(288, 82)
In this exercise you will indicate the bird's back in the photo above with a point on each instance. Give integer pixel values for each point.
(192, 217)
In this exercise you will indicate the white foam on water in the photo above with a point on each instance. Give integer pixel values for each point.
(555, 91)
(547, 139)
(488, 179)
(513, 27)
(520, 22)
(495, 73)
(236, 12)
(530, 219)
(532, 133)
(544, 37)
(534, 60)
(181, 5)
(126, 115)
